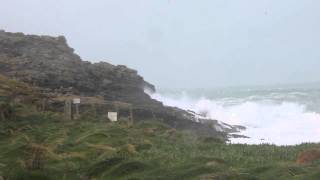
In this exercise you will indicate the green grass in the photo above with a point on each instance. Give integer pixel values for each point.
(147, 150)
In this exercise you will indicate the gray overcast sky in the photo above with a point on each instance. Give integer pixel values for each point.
(184, 43)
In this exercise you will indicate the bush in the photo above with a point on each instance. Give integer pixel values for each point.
(128, 168)
(7, 111)
(28, 175)
(213, 140)
(103, 166)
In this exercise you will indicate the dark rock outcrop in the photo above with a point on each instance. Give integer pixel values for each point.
(48, 62)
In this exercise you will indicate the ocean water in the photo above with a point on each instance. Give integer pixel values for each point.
(281, 116)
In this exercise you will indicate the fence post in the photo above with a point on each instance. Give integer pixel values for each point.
(131, 114)
(68, 109)
(76, 102)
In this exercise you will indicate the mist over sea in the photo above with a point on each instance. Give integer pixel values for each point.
(285, 115)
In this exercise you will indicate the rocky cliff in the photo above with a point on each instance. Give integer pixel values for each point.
(49, 63)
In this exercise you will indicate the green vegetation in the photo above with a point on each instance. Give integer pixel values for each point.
(45, 146)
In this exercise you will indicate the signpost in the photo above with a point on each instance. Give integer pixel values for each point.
(113, 116)
(76, 101)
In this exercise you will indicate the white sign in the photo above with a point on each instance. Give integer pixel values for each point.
(76, 101)
(113, 116)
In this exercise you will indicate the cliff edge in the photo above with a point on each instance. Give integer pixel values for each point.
(49, 63)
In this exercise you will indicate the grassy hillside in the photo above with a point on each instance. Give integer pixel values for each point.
(10, 88)
(44, 146)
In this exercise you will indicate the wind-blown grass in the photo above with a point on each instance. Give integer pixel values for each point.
(146, 150)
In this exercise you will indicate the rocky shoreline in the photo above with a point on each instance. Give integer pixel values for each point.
(50, 64)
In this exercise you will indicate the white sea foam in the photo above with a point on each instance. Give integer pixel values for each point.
(267, 121)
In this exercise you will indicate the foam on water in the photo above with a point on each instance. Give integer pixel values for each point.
(268, 120)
